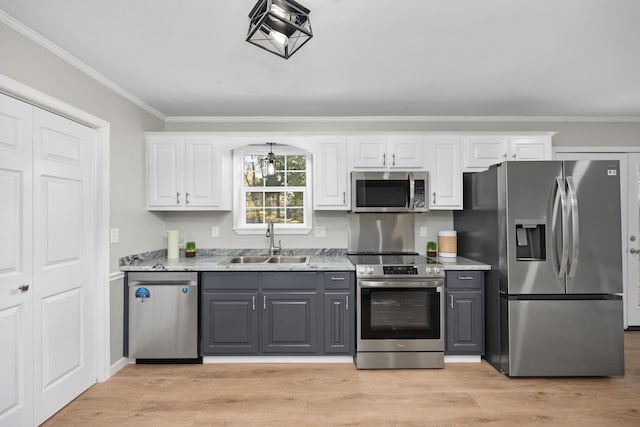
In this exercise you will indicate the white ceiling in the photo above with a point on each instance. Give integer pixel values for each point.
(367, 57)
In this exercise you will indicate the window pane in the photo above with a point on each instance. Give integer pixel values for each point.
(255, 200)
(275, 199)
(279, 163)
(296, 179)
(252, 179)
(295, 216)
(255, 216)
(275, 214)
(295, 199)
(296, 163)
(275, 181)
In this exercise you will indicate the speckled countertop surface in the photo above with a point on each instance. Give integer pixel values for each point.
(218, 260)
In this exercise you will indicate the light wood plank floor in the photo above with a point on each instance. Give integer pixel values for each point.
(338, 394)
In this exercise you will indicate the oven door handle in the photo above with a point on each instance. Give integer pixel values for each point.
(418, 284)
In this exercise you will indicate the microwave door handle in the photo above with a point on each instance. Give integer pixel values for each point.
(412, 191)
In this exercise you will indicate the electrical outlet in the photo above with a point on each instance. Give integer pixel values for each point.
(321, 231)
(215, 231)
(423, 231)
(115, 235)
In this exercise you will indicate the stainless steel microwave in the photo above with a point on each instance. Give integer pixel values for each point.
(389, 191)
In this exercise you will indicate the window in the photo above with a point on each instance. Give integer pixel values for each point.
(284, 198)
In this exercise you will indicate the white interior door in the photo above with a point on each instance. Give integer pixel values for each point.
(63, 257)
(628, 259)
(633, 240)
(16, 284)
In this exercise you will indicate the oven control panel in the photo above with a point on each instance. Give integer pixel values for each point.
(399, 270)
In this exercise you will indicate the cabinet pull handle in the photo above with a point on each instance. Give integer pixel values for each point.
(504, 156)
(513, 157)
(451, 301)
(434, 197)
(393, 159)
(384, 159)
(177, 198)
(344, 197)
(253, 300)
(264, 302)
(23, 288)
(465, 277)
(335, 279)
(186, 198)
(347, 305)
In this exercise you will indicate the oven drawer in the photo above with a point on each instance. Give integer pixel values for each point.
(464, 279)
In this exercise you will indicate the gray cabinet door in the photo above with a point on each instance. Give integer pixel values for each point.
(229, 323)
(338, 322)
(465, 322)
(289, 322)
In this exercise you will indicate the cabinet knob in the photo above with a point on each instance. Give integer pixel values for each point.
(634, 251)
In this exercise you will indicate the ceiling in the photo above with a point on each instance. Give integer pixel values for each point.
(569, 58)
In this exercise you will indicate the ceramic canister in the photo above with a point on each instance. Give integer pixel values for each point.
(173, 244)
(447, 243)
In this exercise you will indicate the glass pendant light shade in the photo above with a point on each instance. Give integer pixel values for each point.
(279, 26)
(269, 162)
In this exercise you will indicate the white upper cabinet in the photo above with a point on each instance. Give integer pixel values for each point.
(445, 174)
(331, 189)
(482, 151)
(379, 152)
(187, 173)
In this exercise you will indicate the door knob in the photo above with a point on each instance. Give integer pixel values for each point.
(23, 288)
(634, 251)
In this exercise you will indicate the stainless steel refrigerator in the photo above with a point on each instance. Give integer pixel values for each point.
(551, 232)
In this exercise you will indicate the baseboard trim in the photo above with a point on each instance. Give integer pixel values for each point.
(121, 363)
(632, 328)
(277, 359)
(462, 359)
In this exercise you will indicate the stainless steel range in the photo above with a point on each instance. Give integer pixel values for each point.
(400, 296)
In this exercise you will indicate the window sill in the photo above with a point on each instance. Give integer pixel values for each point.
(278, 231)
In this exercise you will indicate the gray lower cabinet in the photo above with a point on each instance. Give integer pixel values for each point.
(464, 312)
(277, 313)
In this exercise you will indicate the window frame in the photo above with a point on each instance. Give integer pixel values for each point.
(239, 201)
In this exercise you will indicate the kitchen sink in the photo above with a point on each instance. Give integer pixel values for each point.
(281, 259)
(275, 259)
(248, 259)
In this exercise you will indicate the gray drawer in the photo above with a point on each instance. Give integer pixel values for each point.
(463, 279)
(230, 280)
(289, 280)
(337, 280)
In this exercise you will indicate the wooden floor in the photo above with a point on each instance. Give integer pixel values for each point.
(338, 394)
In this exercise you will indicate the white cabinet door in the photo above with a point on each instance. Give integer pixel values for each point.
(406, 152)
(369, 151)
(16, 300)
(166, 173)
(203, 186)
(530, 148)
(331, 178)
(482, 151)
(445, 176)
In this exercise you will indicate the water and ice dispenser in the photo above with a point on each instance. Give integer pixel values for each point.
(530, 241)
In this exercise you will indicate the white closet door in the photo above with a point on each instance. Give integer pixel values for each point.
(63, 256)
(16, 324)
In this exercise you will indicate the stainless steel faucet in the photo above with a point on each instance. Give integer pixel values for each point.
(273, 249)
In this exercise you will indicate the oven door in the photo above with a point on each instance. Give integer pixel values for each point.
(400, 315)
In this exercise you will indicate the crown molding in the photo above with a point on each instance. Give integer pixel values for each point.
(38, 38)
(397, 119)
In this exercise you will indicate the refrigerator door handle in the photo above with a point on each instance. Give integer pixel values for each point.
(575, 232)
(560, 200)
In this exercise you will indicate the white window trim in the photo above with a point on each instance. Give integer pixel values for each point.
(238, 196)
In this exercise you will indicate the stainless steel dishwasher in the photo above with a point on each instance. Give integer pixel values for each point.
(163, 316)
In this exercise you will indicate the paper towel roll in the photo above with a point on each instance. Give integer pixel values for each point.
(173, 244)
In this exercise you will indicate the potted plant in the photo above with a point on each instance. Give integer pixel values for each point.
(432, 249)
(190, 249)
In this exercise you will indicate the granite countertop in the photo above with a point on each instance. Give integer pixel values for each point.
(217, 260)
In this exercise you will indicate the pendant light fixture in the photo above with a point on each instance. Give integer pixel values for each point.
(269, 162)
(279, 26)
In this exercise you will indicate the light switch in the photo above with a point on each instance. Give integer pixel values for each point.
(215, 231)
(423, 231)
(115, 235)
